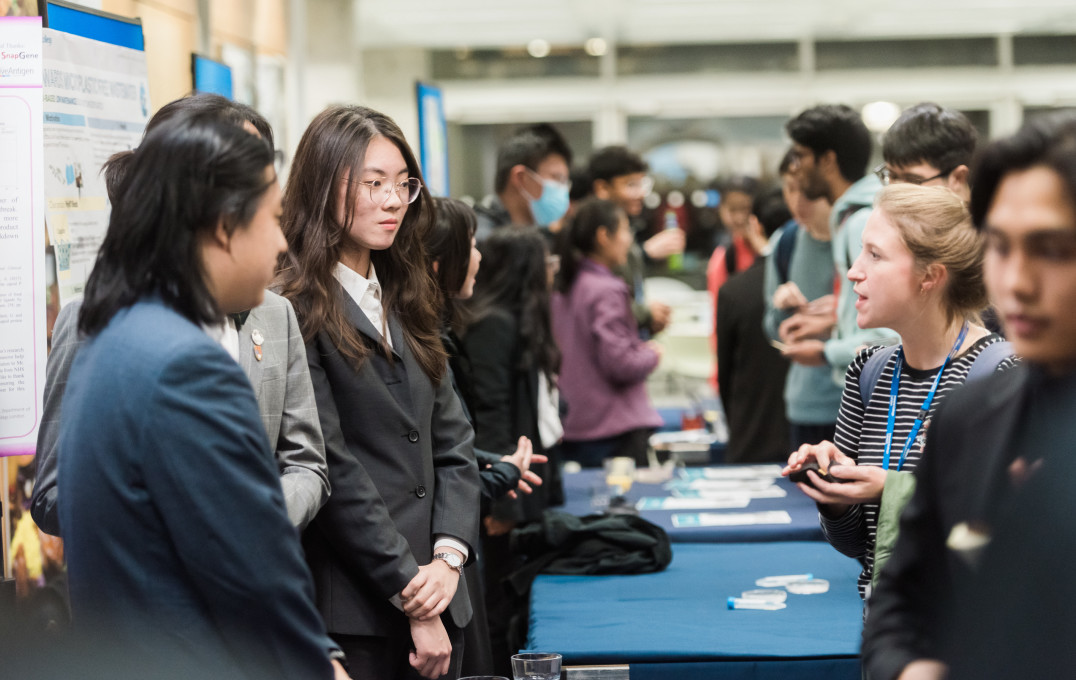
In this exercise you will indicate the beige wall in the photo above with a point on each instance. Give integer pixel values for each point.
(171, 30)
(172, 27)
(259, 25)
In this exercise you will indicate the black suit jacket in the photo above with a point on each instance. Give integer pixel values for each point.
(402, 468)
(752, 372)
(502, 396)
(961, 479)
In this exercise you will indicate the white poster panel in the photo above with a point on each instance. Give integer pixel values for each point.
(96, 99)
(241, 62)
(22, 247)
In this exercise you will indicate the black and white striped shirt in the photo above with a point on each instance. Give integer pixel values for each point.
(861, 436)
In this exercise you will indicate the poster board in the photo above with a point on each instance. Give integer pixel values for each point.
(432, 138)
(22, 248)
(211, 76)
(22, 257)
(96, 104)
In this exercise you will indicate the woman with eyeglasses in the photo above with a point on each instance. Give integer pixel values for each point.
(387, 550)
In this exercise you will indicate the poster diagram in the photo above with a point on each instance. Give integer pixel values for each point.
(96, 102)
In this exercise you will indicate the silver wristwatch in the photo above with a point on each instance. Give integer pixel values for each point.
(453, 561)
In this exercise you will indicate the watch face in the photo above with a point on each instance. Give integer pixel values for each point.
(453, 560)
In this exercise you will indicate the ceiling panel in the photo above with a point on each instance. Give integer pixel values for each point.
(502, 23)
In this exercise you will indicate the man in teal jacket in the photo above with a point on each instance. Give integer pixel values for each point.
(831, 148)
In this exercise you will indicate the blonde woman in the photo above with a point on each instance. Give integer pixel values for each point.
(920, 274)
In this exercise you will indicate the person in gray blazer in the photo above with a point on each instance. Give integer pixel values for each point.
(271, 353)
(388, 549)
(270, 350)
(180, 553)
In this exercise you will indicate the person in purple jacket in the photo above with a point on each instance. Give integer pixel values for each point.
(605, 364)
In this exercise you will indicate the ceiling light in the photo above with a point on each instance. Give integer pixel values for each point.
(878, 116)
(538, 48)
(595, 47)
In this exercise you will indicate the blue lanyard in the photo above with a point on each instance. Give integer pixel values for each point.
(894, 388)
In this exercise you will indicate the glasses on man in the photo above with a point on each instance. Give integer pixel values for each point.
(639, 187)
(798, 156)
(887, 176)
(567, 183)
(380, 190)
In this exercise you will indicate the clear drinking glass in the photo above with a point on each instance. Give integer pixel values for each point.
(536, 666)
(619, 474)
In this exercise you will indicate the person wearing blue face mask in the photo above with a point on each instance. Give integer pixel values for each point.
(551, 203)
(531, 183)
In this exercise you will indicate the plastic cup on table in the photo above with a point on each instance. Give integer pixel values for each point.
(619, 474)
(536, 666)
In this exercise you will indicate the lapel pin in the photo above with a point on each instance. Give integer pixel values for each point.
(258, 339)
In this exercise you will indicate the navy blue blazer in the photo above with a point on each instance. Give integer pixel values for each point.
(179, 548)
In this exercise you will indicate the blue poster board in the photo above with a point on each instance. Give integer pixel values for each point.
(432, 138)
(92, 24)
(211, 76)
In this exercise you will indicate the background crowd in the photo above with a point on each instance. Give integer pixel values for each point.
(290, 432)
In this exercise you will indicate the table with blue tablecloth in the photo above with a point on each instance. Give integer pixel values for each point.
(675, 624)
(586, 492)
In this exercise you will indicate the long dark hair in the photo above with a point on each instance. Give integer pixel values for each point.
(448, 243)
(578, 238)
(188, 175)
(333, 145)
(515, 280)
(210, 104)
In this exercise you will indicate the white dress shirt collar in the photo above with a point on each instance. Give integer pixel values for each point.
(226, 334)
(366, 292)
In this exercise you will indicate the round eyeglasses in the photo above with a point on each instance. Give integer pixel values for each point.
(380, 190)
(887, 176)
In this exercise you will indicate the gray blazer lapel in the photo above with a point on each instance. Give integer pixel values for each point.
(358, 318)
(398, 340)
(412, 371)
(396, 379)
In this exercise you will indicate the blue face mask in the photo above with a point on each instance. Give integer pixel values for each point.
(552, 204)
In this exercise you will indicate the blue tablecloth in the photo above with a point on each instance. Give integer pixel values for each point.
(676, 622)
(582, 489)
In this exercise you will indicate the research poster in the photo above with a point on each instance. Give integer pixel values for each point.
(96, 102)
(22, 248)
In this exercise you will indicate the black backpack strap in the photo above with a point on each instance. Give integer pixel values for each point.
(872, 371)
(782, 254)
(988, 360)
